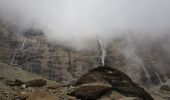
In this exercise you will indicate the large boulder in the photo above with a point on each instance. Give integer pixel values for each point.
(91, 91)
(36, 83)
(119, 81)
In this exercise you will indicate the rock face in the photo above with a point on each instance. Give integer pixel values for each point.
(32, 52)
(119, 81)
(91, 91)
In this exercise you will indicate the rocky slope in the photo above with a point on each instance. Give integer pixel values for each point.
(102, 83)
(8, 76)
(12, 88)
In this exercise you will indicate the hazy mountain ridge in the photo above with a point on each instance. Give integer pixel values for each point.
(34, 53)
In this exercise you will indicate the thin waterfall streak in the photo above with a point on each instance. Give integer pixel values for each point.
(146, 74)
(22, 46)
(103, 52)
(144, 69)
(13, 57)
(158, 76)
(138, 60)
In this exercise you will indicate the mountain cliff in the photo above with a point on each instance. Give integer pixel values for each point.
(146, 63)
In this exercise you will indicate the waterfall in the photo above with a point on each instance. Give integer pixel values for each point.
(13, 57)
(131, 54)
(23, 44)
(158, 76)
(103, 52)
(147, 75)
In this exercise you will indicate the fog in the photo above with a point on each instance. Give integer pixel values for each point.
(77, 20)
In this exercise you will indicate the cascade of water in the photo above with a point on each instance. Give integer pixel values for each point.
(147, 75)
(13, 57)
(134, 56)
(103, 52)
(158, 76)
(23, 44)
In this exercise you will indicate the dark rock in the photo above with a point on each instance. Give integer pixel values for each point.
(36, 83)
(165, 88)
(120, 82)
(91, 91)
(18, 82)
(1, 78)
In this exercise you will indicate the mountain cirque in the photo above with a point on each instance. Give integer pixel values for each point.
(32, 52)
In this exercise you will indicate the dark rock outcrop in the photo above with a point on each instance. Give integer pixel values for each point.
(91, 91)
(14, 83)
(165, 88)
(36, 83)
(120, 82)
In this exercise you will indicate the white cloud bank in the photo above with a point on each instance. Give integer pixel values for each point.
(69, 20)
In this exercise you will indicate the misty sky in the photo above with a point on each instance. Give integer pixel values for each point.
(77, 19)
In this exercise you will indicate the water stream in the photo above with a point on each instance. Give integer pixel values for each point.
(21, 48)
(133, 56)
(158, 76)
(103, 51)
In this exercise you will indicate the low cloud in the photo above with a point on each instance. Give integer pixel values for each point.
(81, 20)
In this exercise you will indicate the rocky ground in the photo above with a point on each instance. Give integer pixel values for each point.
(161, 91)
(102, 83)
